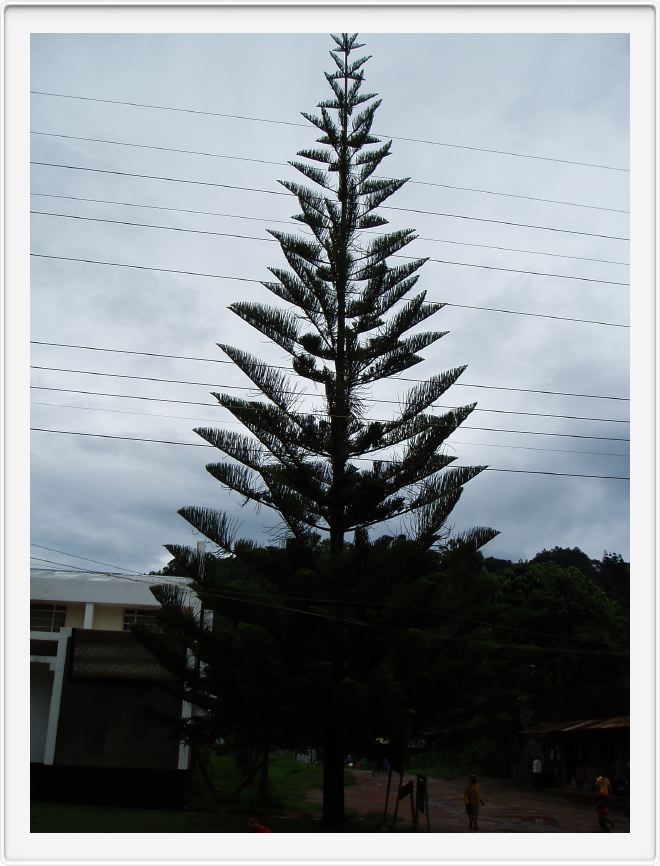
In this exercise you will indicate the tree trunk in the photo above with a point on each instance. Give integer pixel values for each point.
(264, 786)
(333, 779)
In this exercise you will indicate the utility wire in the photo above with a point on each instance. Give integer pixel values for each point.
(230, 594)
(308, 127)
(491, 643)
(298, 393)
(65, 566)
(239, 594)
(215, 405)
(456, 384)
(287, 164)
(277, 367)
(215, 421)
(289, 194)
(452, 638)
(382, 420)
(76, 556)
(274, 241)
(202, 445)
(299, 227)
(74, 569)
(260, 283)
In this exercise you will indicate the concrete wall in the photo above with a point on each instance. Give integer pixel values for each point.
(75, 614)
(41, 686)
(108, 617)
(106, 723)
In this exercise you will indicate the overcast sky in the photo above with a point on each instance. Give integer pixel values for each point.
(558, 96)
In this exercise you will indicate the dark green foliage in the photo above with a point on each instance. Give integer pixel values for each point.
(579, 637)
(285, 650)
(493, 564)
(322, 642)
(569, 557)
(612, 573)
(299, 464)
(614, 578)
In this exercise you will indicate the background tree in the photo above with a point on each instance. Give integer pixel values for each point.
(569, 557)
(345, 327)
(572, 657)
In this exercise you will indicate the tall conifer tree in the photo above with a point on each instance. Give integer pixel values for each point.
(345, 325)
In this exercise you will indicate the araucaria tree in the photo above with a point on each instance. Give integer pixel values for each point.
(346, 323)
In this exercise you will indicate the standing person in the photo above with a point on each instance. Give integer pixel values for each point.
(537, 772)
(603, 786)
(473, 801)
(603, 814)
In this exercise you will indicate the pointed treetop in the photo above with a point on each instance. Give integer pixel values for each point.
(347, 42)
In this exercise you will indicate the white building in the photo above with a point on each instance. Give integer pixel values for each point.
(95, 690)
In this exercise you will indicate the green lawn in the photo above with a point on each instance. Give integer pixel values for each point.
(287, 812)
(65, 818)
(289, 781)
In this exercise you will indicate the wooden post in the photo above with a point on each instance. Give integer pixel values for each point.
(387, 796)
(396, 807)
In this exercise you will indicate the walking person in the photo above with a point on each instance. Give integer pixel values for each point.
(603, 811)
(537, 772)
(473, 802)
(603, 786)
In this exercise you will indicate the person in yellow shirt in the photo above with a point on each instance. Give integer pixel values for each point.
(603, 786)
(473, 801)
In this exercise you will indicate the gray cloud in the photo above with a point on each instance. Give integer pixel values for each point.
(559, 95)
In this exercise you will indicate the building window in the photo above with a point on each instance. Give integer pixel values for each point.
(136, 616)
(47, 617)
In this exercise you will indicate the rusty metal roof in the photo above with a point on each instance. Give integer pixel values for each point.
(615, 723)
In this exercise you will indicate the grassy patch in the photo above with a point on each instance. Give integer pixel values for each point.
(289, 782)
(287, 812)
(70, 818)
(439, 769)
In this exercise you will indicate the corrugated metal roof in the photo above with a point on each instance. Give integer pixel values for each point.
(614, 723)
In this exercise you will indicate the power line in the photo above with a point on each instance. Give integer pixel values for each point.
(503, 222)
(75, 569)
(160, 177)
(145, 268)
(308, 127)
(76, 556)
(273, 240)
(260, 283)
(283, 193)
(277, 367)
(252, 388)
(299, 227)
(364, 602)
(215, 405)
(533, 315)
(231, 594)
(456, 384)
(64, 566)
(187, 210)
(286, 165)
(213, 421)
(203, 445)
(441, 637)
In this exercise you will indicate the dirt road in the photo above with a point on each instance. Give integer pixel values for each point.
(510, 806)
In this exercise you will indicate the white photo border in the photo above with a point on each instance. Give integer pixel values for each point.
(640, 21)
